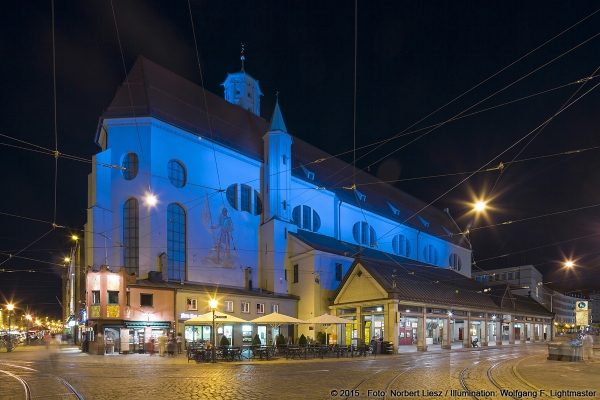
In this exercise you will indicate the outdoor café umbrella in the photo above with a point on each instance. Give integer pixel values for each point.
(275, 320)
(220, 318)
(326, 320)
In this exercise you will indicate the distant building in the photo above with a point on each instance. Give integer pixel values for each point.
(526, 280)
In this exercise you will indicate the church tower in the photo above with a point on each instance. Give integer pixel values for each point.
(277, 210)
(242, 89)
(277, 169)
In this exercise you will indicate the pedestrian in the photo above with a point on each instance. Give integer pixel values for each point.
(47, 339)
(179, 339)
(588, 347)
(171, 345)
(162, 342)
(151, 346)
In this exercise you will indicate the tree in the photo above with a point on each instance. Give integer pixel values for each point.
(302, 340)
(280, 340)
(321, 337)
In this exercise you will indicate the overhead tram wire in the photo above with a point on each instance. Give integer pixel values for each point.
(481, 101)
(130, 97)
(206, 103)
(493, 159)
(482, 82)
(501, 165)
(539, 247)
(540, 130)
(54, 225)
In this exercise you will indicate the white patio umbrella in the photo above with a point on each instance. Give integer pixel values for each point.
(220, 318)
(326, 320)
(275, 320)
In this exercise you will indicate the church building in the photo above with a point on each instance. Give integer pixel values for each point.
(200, 195)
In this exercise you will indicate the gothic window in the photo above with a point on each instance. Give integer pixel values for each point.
(258, 208)
(176, 241)
(364, 234)
(130, 164)
(176, 173)
(455, 262)
(306, 218)
(430, 254)
(316, 221)
(245, 197)
(232, 196)
(401, 245)
(131, 236)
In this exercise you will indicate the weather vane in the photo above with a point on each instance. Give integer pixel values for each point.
(242, 55)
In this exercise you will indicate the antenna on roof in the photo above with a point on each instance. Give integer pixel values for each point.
(242, 55)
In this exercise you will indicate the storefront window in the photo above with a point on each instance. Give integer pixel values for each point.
(246, 334)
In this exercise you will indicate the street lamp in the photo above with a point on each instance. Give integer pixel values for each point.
(10, 308)
(213, 305)
(28, 318)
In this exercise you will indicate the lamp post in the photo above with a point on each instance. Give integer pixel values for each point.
(9, 346)
(28, 318)
(213, 305)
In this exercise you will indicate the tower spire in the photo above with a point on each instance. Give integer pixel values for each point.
(242, 55)
(277, 123)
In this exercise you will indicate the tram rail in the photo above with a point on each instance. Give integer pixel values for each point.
(36, 383)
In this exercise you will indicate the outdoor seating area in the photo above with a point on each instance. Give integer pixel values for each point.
(266, 353)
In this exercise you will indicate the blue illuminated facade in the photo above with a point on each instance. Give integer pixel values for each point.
(239, 199)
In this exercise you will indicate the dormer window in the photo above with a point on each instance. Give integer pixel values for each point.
(394, 209)
(309, 175)
(360, 196)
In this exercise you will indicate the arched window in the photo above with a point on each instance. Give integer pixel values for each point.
(257, 204)
(455, 262)
(306, 218)
(245, 192)
(232, 196)
(131, 236)
(176, 241)
(401, 245)
(131, 165)
(430, 254)
(176, 173)
(364, 234)
(316, 221)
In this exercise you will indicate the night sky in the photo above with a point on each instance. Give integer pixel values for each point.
(419, 64)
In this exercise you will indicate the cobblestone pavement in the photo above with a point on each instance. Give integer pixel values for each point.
(520, 368)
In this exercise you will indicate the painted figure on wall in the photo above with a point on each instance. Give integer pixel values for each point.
(223, 253)
(224, 237)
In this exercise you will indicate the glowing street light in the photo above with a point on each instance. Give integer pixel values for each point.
(213, 305)
(569, 264)
(480, 206)
(150, 199)
(10, 307)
